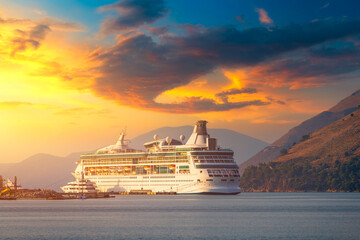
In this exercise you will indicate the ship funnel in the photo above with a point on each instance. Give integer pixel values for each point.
(199, 135)
(200, 127)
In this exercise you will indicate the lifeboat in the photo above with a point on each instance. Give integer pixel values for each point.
(127, 168)
(172, 167)
(147, 168)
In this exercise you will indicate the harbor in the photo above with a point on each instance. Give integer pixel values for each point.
(11, 190)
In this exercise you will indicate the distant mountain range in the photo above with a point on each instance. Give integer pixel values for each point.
(51, 172)
(327, 160)
(269, 153)
(42, 170)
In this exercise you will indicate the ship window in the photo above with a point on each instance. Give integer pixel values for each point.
(183, 167)
(209, 180)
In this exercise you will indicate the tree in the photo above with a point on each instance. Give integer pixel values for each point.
(283, 151)
(305, 137)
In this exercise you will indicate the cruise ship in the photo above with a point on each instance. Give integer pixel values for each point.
(199, 166)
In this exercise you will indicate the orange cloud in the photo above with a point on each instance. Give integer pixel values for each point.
(263, 16)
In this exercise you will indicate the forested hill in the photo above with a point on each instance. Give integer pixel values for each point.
(343, 108)
(327, 160)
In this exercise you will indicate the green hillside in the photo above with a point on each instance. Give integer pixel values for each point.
(327, 160)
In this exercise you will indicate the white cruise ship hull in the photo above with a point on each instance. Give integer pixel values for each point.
(181, 184)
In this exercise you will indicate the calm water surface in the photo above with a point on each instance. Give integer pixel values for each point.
(245, 216)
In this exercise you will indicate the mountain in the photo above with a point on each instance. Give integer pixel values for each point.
(42, 170)
(329, 160)
(51, 172)
(242, 145)
(343, 108)
(338, 141)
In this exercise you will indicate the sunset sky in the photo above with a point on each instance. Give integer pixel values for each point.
(74, 73)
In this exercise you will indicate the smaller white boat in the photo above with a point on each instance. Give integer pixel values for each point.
(80, 186)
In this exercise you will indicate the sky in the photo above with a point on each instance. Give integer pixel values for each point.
(75, 73)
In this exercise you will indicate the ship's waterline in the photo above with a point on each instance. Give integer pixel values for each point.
(168, 165)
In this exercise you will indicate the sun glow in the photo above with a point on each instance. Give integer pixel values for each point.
(64, 86)
(236, 77)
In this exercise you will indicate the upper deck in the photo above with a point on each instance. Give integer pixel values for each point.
(200, 149)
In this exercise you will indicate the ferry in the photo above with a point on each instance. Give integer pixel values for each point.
(80, 186)
(199, 166)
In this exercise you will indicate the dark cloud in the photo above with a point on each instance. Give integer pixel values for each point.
(332, 52)
(224, 95)
(133, 13)
(30, 38)
(158, 31)
(231, 47)
(276, 101)
(39, 32)
(191, 29)
(198, 104)
(315, 67)
(136, 70)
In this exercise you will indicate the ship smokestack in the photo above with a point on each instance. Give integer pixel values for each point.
(199, 136)
(200, 127)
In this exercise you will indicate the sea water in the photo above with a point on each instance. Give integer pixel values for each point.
(245, 216)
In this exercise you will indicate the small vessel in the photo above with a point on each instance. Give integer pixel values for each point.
(80, 186)
(199, 166)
